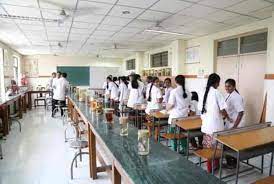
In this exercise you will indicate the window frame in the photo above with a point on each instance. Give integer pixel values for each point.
(132, 63)
(162, 62)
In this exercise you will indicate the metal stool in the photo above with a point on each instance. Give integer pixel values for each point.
(79, 145)
(13, 117)
(65, 114)
(57, 108)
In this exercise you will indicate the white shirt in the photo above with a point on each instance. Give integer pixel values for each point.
(212, 120)
(155, 95)
(62, 86)
(54, 80)
(167, 94)
(135, 95)
(105, 86)
(50, 83)
(123, 89)
(181, 104)
(114, 90)
(235, 105)
(194, 107)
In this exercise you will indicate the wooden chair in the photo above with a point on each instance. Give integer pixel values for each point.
(207, 154)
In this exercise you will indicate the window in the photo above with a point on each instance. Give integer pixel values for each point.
(254, 43)
(2, 82)
(130, 64)
(227, 47)
(15, 68)
(159, 59)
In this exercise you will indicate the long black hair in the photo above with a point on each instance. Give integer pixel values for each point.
(152, 83)
(114, 80)
(134, 81)
(108, 78)
(213, 79)
(232, 82)
(124, 79)
(194, 96)
(180, 79)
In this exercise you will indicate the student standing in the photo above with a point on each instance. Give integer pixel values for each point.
(114, 88)
(148, 84)
(60, 91)
(168, 89)
(178, 105)
(123, 91)
(136, 92)
(213, 112)
(235, 110)
(54, 80)
(50, 83)
(155, 96)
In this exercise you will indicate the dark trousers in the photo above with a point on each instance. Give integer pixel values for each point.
(58, 102)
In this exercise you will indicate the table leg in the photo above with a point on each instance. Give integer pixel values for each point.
(213, 158)
(221, 162)
(262, 164)
(24, 103)
(20, 108)
(158, 131)
(116, 176)
(237, 167)
(5, 120)
(187, 145)
(92, 154)
(271, 164)
(29, 100)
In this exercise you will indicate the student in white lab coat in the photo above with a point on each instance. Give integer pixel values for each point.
(178, 107)
(155, 96)
(106, 86)
(136, 89)
(213, 112)
(123, 92)
(235, 110)
(114, 89)
(168, 89)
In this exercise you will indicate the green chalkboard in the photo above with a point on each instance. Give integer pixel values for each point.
(77, 75)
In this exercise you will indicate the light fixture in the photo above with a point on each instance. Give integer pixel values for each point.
(164, 32)
(126, 12)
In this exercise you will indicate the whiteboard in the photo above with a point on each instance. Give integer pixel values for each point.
(98, 75)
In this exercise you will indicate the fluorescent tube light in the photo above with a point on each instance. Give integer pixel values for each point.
(164, 32)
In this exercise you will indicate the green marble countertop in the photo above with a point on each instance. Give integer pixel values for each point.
(161, 165)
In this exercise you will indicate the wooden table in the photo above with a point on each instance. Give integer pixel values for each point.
(190, 125)
(157, 118)
(161, 166)
(248, 144)
(35, 92)
(5, 111)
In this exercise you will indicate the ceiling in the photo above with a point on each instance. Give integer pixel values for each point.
(93, 26)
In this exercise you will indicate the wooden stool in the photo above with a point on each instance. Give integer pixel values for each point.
(267, 180)
(207, 154)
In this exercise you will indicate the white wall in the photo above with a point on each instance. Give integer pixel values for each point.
(48, 63)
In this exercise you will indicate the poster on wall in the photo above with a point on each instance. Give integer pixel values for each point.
(31, 68)
(193, 55)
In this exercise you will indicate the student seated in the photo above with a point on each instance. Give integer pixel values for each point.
(13, 89)
(194, 112)
(235, 110)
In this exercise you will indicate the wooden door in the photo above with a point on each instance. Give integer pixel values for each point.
(227, 67)
(251, 85)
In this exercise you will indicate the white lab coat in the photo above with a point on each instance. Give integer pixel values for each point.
(62, 86)
(167, 94)
(235, 105)
(114, 91)
(135, 95)
(106, 87)
(181, 104)
(153, 104)
(194, 107)
(212, 120)
(123, 89)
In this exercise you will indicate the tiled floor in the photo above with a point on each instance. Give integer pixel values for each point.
(39, 155)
